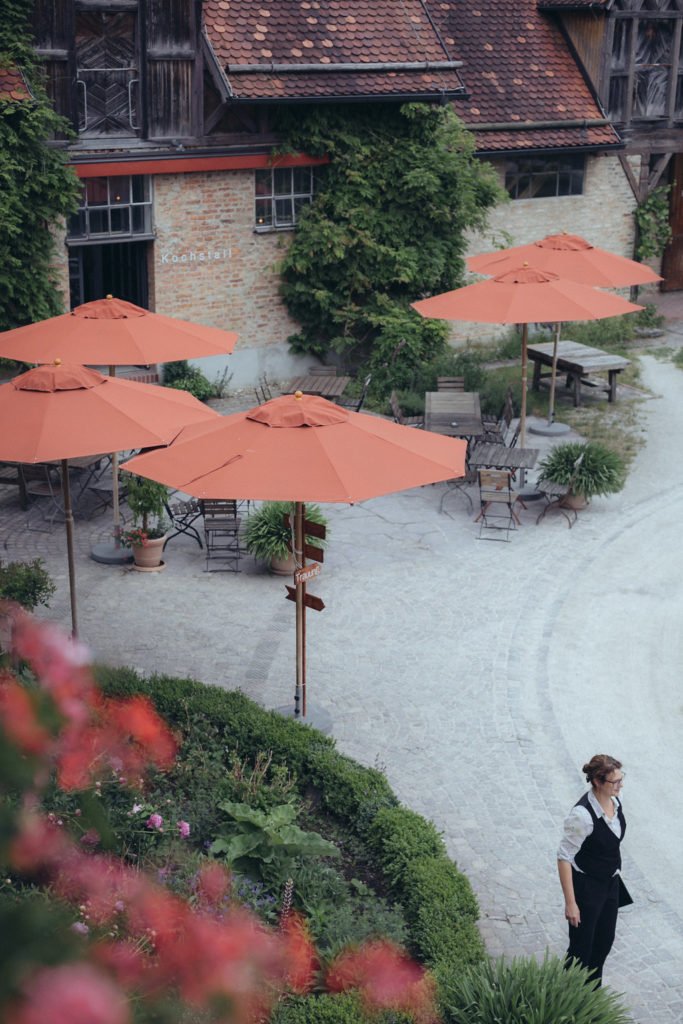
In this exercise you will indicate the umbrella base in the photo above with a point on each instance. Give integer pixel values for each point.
(315, 716)
(553, 429)
(110, 554)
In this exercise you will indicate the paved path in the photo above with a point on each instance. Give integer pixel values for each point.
(479, 675)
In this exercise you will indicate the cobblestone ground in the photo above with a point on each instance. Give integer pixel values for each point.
(479, 675)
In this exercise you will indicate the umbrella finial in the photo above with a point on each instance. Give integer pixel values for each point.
(57, 361)
(298, 395)
(110, 296)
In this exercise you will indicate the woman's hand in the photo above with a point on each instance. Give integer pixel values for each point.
(571, 912)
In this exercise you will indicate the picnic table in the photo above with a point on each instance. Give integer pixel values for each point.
(454, 413)
(324, 385)
(580, 363)
(499, 456)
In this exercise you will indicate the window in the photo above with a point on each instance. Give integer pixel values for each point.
(113, 208)
(644, 81)
(540, 177)
(281, 194)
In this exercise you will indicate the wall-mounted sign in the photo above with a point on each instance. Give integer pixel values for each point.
(195, 256)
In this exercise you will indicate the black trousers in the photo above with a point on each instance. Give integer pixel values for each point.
(598, 903)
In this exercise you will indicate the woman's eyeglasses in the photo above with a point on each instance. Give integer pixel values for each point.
(616, 782)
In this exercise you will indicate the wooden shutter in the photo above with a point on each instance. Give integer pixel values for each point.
(53, 30)
(171, 53)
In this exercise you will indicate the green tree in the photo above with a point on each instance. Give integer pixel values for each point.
(387, 226)
(37, 189)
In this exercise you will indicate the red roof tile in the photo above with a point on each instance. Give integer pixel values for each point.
(573, 5)
(12, 85)
(518, 70)
(327, 33)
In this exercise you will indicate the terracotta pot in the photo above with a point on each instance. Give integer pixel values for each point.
(148, 556)
(282, 566)
(575, 501)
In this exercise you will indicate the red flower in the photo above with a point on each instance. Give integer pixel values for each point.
(387, 979)
(71, 994)
(213, 885)
(19, 720)
(301, 961)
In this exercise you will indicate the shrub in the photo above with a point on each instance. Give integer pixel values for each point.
(346, 1008)
(348, 790)
(441, 910)
(183, 377)
(602, 471)
(525, 992)
(27, 583)
(399, 836)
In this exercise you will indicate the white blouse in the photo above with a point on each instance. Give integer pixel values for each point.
(578, 825)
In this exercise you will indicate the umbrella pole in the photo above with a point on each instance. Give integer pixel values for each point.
(69, 523)
(113, 554)
(300, 692)
(522, 414)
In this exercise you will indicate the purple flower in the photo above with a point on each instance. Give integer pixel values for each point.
(155, 821)
(184, 829)
(80, 928)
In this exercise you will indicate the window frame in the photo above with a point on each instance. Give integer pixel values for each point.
(275, 194)
(86, 209)
(628, 75)
(553, 169)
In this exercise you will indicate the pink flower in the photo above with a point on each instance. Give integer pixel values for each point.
(184, 829)
(154, 821)
(71, 994)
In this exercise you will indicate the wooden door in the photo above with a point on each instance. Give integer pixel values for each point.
(108, 79)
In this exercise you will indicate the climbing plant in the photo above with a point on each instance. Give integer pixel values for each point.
(387, 227)
(37, 189)
(652, 221)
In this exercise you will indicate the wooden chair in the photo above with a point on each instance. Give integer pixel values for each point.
(356, 404)
(263, 390)
(497, 429)
(450, 383)
(221, 534)
(44, 492)
(497, 503)
(397, 412)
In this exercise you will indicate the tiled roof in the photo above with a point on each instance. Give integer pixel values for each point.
(309, 36)
(12, 86)
(518, 70)
(572, 5)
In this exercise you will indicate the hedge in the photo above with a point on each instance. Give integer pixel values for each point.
(346, 1008)
(440, 906)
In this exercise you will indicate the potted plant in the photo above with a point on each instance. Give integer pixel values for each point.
(28, 584)
(266, 535)
(600, 471)
(147, 501)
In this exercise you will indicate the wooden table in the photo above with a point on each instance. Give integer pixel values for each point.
(579, 362)
(324, 385)
(454, 413)
(499, 456)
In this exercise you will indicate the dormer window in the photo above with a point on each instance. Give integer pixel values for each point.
(644, 82)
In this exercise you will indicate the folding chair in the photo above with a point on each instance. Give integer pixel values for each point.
(497, 429)
(356, 404)
(458, 486)
(497, 503)
(557, 496)
(44, 486)
(397, 411)
(221, 534)
(183, 515)
(263, 390)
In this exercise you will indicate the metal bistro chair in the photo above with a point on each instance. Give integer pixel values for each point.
(556, 496)
(263, 390)
(221, 534)
(498, 428)
(183, 516)
(497, 501)
(44, 492)
(356, 404)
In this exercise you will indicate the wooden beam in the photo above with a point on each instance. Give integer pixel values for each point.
(628, 171)
(658, 170)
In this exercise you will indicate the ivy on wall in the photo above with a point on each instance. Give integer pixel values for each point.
(37, 189)
(387, 227)
(652, 222)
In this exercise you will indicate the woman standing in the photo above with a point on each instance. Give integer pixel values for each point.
(588, 862)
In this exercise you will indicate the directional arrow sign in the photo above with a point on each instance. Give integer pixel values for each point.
(310, 600)
(308, 572)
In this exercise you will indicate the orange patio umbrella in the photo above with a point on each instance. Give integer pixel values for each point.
(63, 411)
(571, 257)
(523, 296)
(301, 448)
(111, 332)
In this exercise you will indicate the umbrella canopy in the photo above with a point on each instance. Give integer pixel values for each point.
(112, 332)
(523, 296)
(302, 448)
(64, 411)
(570, 256)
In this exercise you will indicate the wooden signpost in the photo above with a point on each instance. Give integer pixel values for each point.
(302, 573)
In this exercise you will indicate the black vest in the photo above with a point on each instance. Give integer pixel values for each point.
(599, 854)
